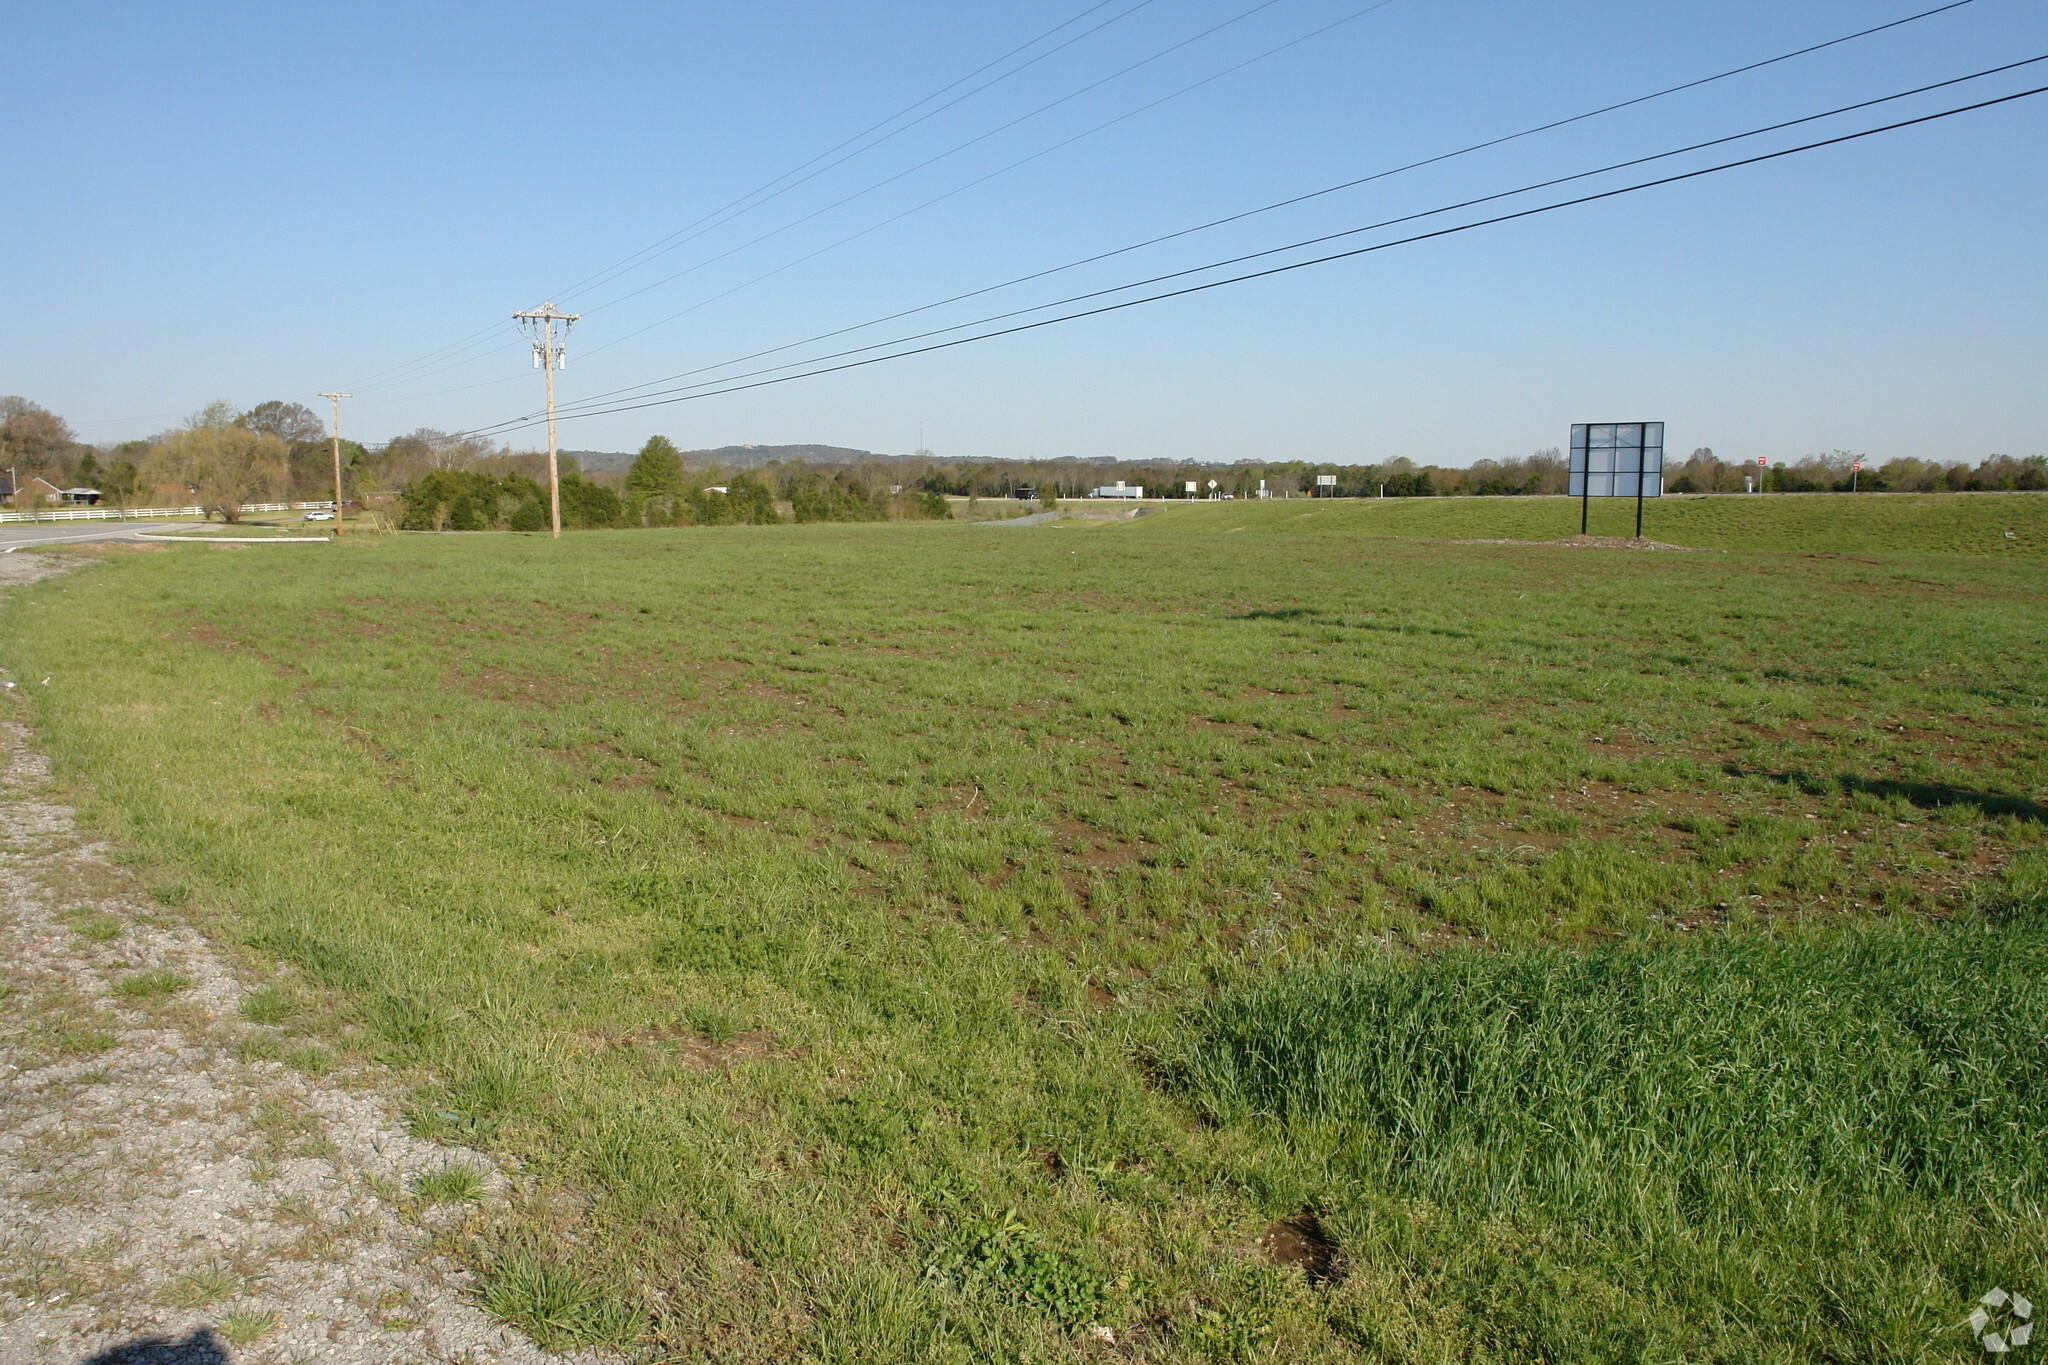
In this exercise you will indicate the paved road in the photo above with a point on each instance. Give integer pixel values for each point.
(16, 534)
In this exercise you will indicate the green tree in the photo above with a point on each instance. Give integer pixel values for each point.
(226, 464)
(657, 470)
(31, 436)
(654, 485)
(118, 485)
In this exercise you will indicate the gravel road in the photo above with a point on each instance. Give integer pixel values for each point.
(166, 1198)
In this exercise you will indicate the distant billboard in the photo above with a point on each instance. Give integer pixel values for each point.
(1617, 460)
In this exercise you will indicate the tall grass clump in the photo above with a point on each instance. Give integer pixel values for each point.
(1752, 1129)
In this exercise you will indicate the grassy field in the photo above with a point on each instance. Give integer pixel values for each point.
(1263, 932)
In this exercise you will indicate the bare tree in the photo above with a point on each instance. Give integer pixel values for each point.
(292, 423)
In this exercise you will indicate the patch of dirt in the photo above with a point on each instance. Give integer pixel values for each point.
(1299, 1241)
(162, 1199)
(1594, 543)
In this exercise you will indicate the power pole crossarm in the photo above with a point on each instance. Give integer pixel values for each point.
(549, 355)
(335, 399)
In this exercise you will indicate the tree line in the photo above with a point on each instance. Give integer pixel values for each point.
(277, 451)
(506, 492)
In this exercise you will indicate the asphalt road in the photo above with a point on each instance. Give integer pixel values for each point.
(15, 535)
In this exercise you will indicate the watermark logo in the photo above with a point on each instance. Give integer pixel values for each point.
(2002, 1321)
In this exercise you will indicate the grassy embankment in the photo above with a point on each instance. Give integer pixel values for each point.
(909, 942)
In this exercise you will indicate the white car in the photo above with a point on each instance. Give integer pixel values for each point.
(319, 516)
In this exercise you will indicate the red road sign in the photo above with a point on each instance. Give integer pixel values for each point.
(1857, 465)
(1763, 461)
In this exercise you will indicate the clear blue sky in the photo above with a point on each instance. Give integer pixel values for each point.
(260, 201)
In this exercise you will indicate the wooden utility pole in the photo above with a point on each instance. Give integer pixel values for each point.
(335, 399)
(550, 356)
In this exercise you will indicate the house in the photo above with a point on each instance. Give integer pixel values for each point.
(81, 497)
(1120, 490)
(34, 491)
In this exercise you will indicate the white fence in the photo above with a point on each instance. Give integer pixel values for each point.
(151, 513)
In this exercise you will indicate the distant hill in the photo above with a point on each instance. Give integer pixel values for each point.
(729, 457)
(753, 457)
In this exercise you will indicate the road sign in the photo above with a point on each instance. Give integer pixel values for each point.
(1856, 465)
(1763, 462)
(1326, 480)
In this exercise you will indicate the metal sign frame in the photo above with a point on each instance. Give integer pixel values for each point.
(1616, 460)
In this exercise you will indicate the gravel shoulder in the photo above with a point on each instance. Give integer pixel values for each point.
(166, 1195)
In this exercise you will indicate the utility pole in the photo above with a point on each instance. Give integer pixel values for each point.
(549, 356)
(335, 399)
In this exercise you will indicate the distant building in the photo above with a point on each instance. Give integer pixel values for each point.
(81, 497)
(1119, 489)
(33, 490)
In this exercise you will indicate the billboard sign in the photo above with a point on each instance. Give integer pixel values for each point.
(1617, 460)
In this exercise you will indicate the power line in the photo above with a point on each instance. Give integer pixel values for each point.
(1370, 227)
(1621, 165)
(1302, 265)
(955, 150)
(670, 242)
(661, 243)
(483, 349)
(981, 180)
(1164, 52)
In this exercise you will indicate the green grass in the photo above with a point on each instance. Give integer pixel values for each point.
(150, 985)
(450, 1185)
(269, 1005)
(1806, 523)
(246, 1327)
(203, 1285)
(1813, 1124)
(829, 921)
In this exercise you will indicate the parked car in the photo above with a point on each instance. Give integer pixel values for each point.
(319, 516)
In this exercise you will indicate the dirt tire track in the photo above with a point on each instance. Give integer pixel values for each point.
(162, 1201)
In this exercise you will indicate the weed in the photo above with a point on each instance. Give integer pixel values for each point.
(245, 1327)
(97, 928)
(151, 985)
(1008, 1258)
(73, 1041)
(311, 1061)
(555, 1306)
(450, 1185)
(269, 1005)
(202, 1286)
